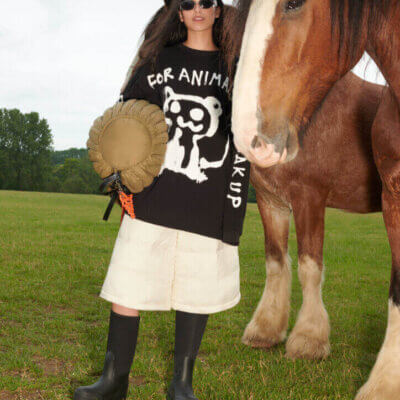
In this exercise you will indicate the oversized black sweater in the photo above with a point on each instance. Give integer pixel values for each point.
(203, 183)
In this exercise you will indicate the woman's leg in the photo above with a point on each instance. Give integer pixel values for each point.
(121, 345)
(125, 310)
(189, 329)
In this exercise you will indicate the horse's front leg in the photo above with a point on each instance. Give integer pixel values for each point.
(310, 336)
(270, 319)
(384, 380)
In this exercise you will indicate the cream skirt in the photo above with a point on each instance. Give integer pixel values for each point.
(159, 268)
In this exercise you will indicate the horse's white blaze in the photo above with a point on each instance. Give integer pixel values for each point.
(384, 380)
(247, 79)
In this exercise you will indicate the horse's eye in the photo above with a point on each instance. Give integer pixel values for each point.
(293, 4)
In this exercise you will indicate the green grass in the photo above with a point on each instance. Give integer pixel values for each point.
(54, 253)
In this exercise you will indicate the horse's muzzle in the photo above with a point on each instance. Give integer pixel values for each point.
(286, 140)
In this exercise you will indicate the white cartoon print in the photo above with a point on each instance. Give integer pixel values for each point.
(196, 118)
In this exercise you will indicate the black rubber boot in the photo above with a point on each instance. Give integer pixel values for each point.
(108, 387)
(181, 385)
(114, 381)
(189, 329)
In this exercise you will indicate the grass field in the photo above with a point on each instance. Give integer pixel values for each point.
(54, 253)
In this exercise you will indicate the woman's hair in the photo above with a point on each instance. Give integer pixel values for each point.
(165, 29)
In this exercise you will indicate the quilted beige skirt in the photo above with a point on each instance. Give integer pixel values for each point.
(159, 268)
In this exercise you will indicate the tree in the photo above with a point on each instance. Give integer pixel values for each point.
(77, 176)
(58, 157)
(74, 184)
(25, 150)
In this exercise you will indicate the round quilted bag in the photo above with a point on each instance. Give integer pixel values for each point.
(130, 138)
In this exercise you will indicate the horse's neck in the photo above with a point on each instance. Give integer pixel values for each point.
(384, 47)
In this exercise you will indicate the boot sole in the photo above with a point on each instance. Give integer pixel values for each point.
(102, 398)
(115, 397)
(122, 395)
(169, 397)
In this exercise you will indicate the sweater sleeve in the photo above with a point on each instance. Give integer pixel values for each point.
(237, 191)
(141, 86)
(236, 196)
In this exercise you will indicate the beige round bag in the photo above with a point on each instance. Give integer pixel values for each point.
(130, 138)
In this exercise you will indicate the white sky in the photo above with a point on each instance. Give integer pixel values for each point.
(67, 59)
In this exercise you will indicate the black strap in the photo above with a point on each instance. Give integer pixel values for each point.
(114, 196)
(113, 181)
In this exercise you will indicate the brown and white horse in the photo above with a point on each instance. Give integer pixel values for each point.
(349, 181)
(293, 52)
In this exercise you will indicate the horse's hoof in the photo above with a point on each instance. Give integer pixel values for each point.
(379, 391)
(301, 346)
(384, 380)
(256, 337)
(365, 393)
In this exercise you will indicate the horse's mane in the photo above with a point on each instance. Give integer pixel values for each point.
(229, 39)
(355, 14)
(235, 25)
(243, 8)
(354, 19)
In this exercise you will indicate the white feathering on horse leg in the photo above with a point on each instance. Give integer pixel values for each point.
(310, 336)
(384, 380)
(270, 320)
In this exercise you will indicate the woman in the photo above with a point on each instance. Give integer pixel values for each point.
(181, 250)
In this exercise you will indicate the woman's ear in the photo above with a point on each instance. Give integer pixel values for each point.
(217, 12)
(180, 15)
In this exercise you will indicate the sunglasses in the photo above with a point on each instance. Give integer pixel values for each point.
(187, 5)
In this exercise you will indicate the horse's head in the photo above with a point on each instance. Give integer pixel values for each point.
(292, 53)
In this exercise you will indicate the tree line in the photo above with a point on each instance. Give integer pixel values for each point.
(29, 162)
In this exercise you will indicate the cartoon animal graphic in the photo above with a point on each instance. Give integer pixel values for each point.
(196, 118)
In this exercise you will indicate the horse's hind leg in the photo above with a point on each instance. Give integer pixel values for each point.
(310, 336)
(384, 380)
(270, 319)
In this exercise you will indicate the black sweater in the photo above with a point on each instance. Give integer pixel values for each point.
(203, 183)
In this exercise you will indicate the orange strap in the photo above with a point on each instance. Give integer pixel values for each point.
(127, 204)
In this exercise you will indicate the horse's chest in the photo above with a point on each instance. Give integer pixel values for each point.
(270, 184)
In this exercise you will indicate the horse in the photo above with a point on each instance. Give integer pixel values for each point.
(292, 53)
(306, 186)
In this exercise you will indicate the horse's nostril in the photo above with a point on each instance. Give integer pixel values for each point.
(255, 142)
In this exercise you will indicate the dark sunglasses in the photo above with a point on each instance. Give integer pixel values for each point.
(188, 5)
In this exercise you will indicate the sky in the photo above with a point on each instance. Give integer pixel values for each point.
(67, 59)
